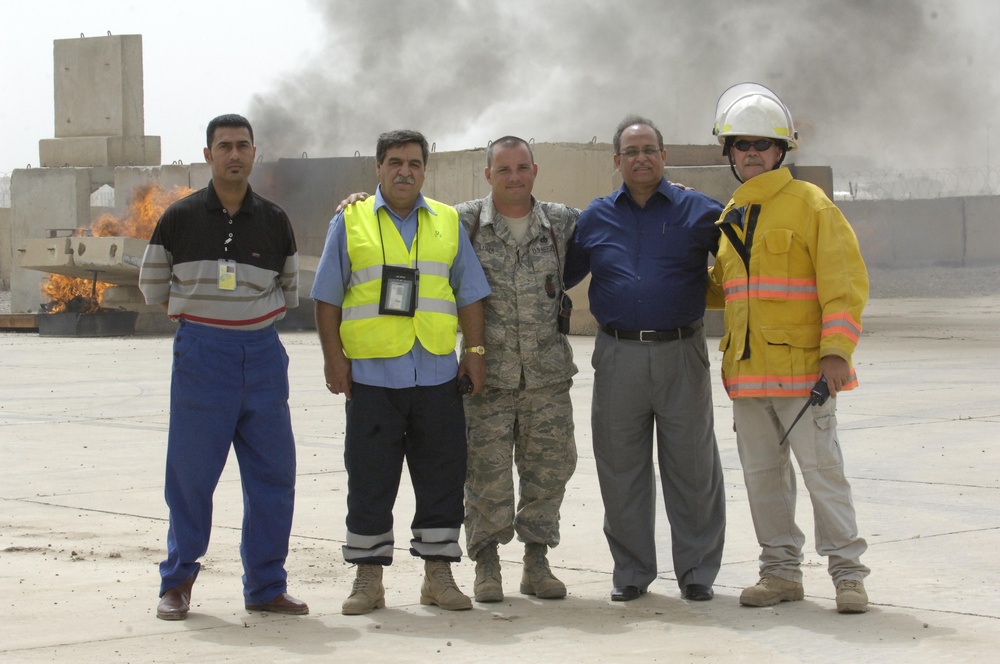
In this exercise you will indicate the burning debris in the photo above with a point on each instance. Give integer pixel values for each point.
(71, 294)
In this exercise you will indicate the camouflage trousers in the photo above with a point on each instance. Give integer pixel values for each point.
(531, 429)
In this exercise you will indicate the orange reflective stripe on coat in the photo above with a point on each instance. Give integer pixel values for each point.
(776, 386)
(770, 288)
(842, 323)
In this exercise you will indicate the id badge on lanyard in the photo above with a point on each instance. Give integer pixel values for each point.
(227, 274)
(399, 291)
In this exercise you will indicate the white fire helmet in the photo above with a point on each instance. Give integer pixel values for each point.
(750, 109)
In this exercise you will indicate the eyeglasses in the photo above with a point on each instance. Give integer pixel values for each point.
(632, 153)
(760, 145)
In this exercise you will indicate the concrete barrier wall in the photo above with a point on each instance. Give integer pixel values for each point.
(893, 234)
(981, 215)
(42, 199)
(947, 232)
(6, 249)
(310, 189)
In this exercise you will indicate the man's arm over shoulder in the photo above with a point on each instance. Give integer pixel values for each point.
(562, 217)
(468, 213)
(578, 253)
(701, 212)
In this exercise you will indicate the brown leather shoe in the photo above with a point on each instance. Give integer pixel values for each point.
(283, 603)
(176, 602)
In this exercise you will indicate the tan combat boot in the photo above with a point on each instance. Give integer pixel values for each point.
(537, 579)
(440, 588)
(771, 590)
(368, 592)
(851, 597)
(489, 584)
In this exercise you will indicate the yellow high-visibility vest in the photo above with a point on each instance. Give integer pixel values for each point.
(364, 332)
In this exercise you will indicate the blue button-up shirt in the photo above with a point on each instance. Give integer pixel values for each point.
(647, 264)
(419, 366)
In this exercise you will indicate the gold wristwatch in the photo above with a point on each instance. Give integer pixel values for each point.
(478, 350)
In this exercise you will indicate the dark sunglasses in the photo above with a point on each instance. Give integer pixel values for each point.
(760, 145)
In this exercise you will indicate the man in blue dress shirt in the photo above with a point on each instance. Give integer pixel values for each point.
(646, 247)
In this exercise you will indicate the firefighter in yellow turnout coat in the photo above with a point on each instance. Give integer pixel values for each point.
(794, 286)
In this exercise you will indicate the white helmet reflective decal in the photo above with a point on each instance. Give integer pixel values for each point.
(750, 109)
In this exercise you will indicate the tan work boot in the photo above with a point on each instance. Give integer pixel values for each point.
(489, 584)
(368, 592)
(537, 579)
(440, 588)
(771, 590)
(851, 597)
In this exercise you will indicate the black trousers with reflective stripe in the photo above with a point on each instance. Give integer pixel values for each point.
(425, 426)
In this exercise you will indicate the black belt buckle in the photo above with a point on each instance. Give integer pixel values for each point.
(654, 334)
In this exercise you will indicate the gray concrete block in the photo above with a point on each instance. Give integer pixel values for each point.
(113, 260)
(133, 150)
(6, 249)
(96, 212)
(43, 199)
(453, 177)
(715, 181)
(696, 155)
(927, 232)
(872, 225)
(98, 86)
(200, 173)
(571, 173)
(99, 151)
(896, 234)
(982, 227)
(127, 178)
(309, 190)
(821, 176)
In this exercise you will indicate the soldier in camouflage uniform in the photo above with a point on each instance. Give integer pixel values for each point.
(524, 416)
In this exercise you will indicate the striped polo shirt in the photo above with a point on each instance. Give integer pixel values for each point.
(196, 239)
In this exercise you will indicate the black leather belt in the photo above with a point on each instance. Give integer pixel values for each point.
(651, 335)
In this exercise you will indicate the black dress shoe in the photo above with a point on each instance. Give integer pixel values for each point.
(698, 592)
(626, 594)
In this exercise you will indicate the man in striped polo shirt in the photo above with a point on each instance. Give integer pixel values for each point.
(224, 265)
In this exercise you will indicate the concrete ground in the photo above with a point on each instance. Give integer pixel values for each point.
(83, 427)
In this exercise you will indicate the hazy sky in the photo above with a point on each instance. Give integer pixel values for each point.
(201, 58)
(905, 84)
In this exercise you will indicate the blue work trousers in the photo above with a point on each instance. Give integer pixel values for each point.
(230, 387)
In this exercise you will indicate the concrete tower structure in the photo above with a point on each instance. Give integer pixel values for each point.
(99, 106)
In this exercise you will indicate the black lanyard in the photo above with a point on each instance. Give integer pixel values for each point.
(416, 234)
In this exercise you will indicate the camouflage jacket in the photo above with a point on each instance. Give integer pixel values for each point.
(523, 346)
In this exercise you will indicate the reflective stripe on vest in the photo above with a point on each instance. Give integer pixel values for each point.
(366, 334)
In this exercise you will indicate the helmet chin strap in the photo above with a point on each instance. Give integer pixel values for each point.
(784, 151)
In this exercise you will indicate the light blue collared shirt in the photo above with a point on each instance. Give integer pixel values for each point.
(418, 366)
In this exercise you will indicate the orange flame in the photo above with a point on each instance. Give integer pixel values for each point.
(145, 207)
